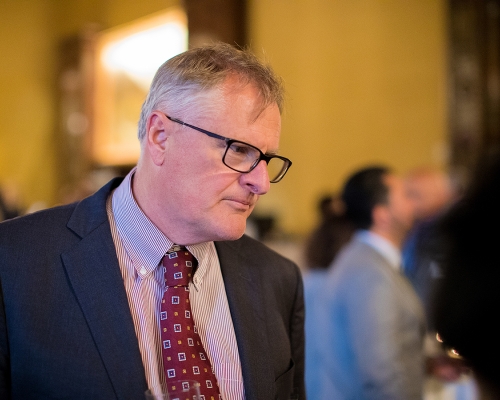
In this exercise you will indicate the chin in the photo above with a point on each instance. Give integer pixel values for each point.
(232, 232)
(228, 226)
(232, 235)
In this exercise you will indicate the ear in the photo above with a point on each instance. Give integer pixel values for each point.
(157, 134)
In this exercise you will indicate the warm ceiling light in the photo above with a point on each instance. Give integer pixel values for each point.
(139, 55)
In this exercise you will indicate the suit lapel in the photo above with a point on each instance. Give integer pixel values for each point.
(242, 283)
(94, 274)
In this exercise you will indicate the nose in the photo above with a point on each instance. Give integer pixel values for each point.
(257, 180)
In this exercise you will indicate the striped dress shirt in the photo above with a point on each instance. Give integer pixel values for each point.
(140, 247)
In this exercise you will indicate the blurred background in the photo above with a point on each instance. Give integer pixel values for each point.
(403, 83)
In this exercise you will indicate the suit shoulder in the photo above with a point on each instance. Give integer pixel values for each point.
(255, 248)
(361, 265)
(254, 258)
(357, 255)
(41, 236)
(80, 217)
(38, 221)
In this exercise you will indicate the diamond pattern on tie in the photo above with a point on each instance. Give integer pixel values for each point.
(183, 354)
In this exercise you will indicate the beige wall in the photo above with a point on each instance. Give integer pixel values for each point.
(366, 82)
(30, 32)
(26, 103)
(72, 15)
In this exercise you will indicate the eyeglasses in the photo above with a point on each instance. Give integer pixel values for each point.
(243, 157)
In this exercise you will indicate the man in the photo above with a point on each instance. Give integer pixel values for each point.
(370, 346)
(432, 194)
(81, 285)
(468, 294)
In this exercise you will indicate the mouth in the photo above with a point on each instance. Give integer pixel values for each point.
(242, 204)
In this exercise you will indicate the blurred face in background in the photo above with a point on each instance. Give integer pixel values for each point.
(430, 191)
(400, 206)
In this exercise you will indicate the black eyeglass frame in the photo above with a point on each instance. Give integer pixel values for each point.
(229, 142)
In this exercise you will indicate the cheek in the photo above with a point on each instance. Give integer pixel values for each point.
(205, 191)
(409, 212)
(199, 178)
(187, 168)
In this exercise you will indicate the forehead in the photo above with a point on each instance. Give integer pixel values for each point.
(238, 92)
(236, 110)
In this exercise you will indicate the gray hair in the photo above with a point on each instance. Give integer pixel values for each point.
(196, 73)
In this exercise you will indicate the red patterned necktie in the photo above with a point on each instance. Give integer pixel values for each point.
(183, 354)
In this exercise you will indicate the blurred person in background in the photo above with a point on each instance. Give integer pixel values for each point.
(465, 312)
(372, 344)
(325, 241)
(85, 287)
(432, 193)
(332, 233)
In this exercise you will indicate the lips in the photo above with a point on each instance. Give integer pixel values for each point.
(244, 202)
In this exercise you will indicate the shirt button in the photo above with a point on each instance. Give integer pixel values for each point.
(143, 271)
(196, 280)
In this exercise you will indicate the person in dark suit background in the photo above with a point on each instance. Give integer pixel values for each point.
(432, 193)
(80, 285)
(467, 295)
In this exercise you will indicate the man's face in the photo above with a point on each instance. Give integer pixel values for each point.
(203, 199)
(400, 205)
(430, 192)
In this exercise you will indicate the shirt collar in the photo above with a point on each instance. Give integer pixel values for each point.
(144, 242)
(201, 252)
(383, 246)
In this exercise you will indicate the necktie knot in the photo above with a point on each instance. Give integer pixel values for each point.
(179, 267)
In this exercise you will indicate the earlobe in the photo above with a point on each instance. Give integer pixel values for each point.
(156, 137)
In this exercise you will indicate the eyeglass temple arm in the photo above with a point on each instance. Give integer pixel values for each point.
(211, 134)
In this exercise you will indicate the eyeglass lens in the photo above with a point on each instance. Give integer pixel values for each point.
(242, 157)
(276, 168)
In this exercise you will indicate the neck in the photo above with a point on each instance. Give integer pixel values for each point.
(143, 191)
(395, 239)
(146, 194)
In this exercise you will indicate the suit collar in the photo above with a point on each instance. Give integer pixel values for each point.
(94, 275)
(91, 211)
(381, 245)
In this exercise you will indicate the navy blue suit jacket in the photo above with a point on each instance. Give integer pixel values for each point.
(66, 331)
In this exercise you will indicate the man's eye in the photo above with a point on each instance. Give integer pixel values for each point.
(236, 148)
